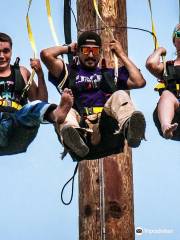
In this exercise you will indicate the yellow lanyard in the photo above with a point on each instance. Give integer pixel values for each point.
(156, 44)
(33, 46)
(51, 24)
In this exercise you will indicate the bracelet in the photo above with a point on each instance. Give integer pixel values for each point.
(69, 48)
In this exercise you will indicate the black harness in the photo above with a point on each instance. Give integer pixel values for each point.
(13, 92)
(107, 85)
(110, 143)
(172, 80)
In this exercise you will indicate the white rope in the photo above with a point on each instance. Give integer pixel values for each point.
(102, 200)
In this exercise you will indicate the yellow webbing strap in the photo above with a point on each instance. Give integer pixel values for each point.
(30, 33)
(33, 45)
(8, 103)
(93, 110)
(51, 24)
(110, 31)
(56, 41)
(156, 44)
(159, 86)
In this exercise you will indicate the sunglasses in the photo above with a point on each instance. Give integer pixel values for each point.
(87, 50)
(177, 34)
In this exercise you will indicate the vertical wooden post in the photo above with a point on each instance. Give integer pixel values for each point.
(106, 185)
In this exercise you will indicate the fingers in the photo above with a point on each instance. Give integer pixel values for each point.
(35, 64)
(68, 91)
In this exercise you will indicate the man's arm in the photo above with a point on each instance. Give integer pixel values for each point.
(135, 79)
(35, 92)
(50, 58)
(153, 63)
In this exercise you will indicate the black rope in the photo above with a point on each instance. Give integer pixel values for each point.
(125, 27)
(72, 188)
(67, 25)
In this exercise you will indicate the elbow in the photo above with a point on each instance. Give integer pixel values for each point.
(150, 65)
(45, 56)
(141, 83)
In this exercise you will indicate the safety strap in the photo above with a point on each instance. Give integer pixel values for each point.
(33, 46)
(112, 35)
(61, 85)
(169, 84)
(156, 44)
(51, 23)
(67, 26)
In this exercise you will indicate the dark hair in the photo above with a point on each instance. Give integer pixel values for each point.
(90, 36)
(5, 38)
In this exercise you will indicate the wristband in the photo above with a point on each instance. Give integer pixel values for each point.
(69, 48)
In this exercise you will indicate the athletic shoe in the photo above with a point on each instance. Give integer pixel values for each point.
(72, 139)
(135, 129)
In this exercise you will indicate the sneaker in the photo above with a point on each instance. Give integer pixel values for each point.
(135, 129)
(73, 140)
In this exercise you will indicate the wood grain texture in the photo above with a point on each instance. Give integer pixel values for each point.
(118, 179)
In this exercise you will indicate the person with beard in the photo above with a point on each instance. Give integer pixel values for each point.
(103, 113)
(167, 114)
(21, 112)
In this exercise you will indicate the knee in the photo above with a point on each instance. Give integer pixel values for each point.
(167, 96)
(121, 94)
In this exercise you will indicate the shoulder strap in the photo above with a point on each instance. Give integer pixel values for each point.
(19, 80)
(170, 68)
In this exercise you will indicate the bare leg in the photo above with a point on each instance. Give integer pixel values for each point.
(166, 110)
(60, 113)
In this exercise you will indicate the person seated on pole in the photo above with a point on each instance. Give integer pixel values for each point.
(103, 113)
(167, 114)
(21, 111)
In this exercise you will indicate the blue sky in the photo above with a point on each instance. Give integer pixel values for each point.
(30, 183)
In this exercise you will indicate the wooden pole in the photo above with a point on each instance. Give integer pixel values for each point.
(106, 185)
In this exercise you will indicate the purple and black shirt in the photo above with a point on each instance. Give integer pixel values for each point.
(88, 85)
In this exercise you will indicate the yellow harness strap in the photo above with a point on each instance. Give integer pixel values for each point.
(33, 46)
(9, 103)
(51, 23)
(156, 44)
(159, 86)
(93, 110)
(56, 41)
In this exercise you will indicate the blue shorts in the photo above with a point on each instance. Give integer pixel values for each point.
(18, 129)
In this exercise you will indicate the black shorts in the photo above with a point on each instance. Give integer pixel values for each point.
(176, 119)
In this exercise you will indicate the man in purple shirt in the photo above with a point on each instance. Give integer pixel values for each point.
(102, 110)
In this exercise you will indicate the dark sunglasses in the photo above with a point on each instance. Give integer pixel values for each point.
(177, 34)
(87, 50)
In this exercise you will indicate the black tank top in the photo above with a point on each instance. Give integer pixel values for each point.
(7, 85)
(8, 89)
